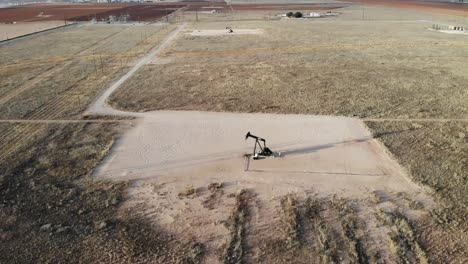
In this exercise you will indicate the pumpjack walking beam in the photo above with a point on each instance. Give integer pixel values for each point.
(264, 151)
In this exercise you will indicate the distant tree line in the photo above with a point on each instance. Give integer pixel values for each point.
(296, 15)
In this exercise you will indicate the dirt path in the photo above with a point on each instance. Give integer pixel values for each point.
(415, 120)
(101, 107)
(314, 150)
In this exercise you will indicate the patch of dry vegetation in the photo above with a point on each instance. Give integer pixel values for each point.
(351, 224)
(420, 239)
(330, 238)
(310, 234)
(214, 196)
(189, 192)
(435, 155)
(53, 211)
(401, 238)
(290, 210)
(62, 82)
(294, 67)
(235, 250)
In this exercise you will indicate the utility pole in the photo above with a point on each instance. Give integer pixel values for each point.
(196, 14)
(102, 65)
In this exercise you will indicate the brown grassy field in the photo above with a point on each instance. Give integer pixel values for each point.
(42, 83)
(53, 211)
(338, 67)
(435, 155)
(384, 68)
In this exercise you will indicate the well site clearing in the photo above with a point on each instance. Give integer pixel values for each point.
(126, 142)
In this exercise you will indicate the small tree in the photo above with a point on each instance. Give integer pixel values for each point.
(289, 14)
(297, 14)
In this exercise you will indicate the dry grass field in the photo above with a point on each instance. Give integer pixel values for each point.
(42, 83)
(51, 209)
(346, 67)
(14, 30)
(388, 69)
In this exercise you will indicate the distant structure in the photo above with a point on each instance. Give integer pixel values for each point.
(315, 14)
(461, 1)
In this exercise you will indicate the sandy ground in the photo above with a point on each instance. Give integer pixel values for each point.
(8, 31)
(333, 154)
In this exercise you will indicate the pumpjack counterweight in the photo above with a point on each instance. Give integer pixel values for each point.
(263, 150)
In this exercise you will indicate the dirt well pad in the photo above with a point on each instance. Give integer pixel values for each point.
(331, 153)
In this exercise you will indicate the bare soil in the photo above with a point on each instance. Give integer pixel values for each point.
(435, 155)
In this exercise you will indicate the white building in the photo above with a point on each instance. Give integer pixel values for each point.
(315, 14)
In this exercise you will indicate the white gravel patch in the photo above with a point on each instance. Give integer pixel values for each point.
(324, 152)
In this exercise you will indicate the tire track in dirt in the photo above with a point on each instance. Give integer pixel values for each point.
(57, 105)
(38, 62)
(24, 135)
(49, 110)
(10, 134)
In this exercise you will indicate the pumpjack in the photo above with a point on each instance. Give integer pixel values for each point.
(264, 151)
